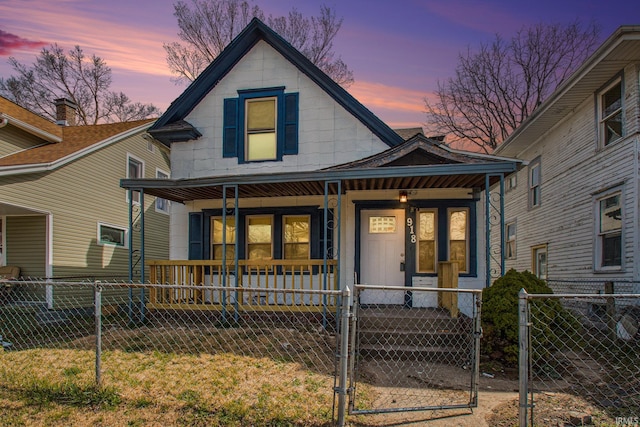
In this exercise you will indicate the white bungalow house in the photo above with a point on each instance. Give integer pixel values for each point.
(573, 212)
(280, 171)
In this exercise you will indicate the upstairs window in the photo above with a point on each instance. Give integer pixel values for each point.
(260, 143)
(535, 179)
(610, 113)
(260, 125)
(608, 249)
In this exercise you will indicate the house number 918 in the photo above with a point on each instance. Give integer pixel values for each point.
(412, 232)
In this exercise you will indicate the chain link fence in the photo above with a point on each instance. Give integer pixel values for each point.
(580, 354)
(420, 354)
(247, 360)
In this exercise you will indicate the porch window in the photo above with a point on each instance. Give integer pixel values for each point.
(458, 238)
(610, 106)
(427, 241)
(260, 143)
(297, 236)
(259, 237)
(216, 238)
(112, 235)
(609, 232)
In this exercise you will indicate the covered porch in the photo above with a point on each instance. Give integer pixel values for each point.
(420, 174)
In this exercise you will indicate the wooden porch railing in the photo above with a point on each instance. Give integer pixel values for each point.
(261, 285)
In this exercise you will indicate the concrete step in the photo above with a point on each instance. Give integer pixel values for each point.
(414, 338)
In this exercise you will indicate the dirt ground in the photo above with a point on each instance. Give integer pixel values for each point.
(497, 405)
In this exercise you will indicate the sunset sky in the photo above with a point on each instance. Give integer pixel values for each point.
(397, 49)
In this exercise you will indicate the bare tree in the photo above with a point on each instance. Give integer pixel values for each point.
(208, 26)
(496, 88)
(83, 80)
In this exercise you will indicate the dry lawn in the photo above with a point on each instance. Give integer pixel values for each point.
(57, 388)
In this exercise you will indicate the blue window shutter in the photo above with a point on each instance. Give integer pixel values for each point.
(290, 123)
(230, 132)
(195, 235)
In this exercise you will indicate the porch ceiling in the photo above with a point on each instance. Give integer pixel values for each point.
(313, 183)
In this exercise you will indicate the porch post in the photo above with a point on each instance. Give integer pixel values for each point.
(224, 250)
(130, 239)
(494, 215)
(336, 246)
(142, 278)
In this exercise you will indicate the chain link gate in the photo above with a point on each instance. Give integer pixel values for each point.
(417, 356)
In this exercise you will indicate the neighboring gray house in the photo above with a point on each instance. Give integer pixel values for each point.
(573, 213)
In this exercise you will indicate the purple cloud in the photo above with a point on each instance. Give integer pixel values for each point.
(10, 42)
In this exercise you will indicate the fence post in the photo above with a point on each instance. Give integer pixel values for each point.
(97, 313)
(523, 357)
(611, 310)
(344, 352)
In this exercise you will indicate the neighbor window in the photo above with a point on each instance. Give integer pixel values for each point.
(609, 232)
(610, 114)
(458, 238)
(162, 205)
(510, 240)
(427, 226)
(112, 235)
(534, 183)
(135, 169)
(297, 237)
(259, 237)
(539, 261)
(260, 142)
(511, 182)
(217, 238)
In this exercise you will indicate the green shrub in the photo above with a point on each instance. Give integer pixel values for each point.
(500, 317)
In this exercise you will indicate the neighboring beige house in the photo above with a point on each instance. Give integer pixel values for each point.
(62, 211)
(574, 213)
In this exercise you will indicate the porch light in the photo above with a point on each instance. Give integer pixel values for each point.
(403, 196)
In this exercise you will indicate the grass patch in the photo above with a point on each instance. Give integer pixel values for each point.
(54, 387)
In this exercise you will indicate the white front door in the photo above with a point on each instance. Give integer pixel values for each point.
(382, 255)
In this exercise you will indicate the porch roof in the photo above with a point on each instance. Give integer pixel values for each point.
(311, 183)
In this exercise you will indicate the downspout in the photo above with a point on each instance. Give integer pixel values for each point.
(4, 122)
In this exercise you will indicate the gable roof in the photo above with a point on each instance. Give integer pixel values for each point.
(408, 133)
(29, 121)
(420, 151)
(620, 49)
(229, 57)
(75, 142)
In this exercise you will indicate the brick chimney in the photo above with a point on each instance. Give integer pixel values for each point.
(65, 112)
